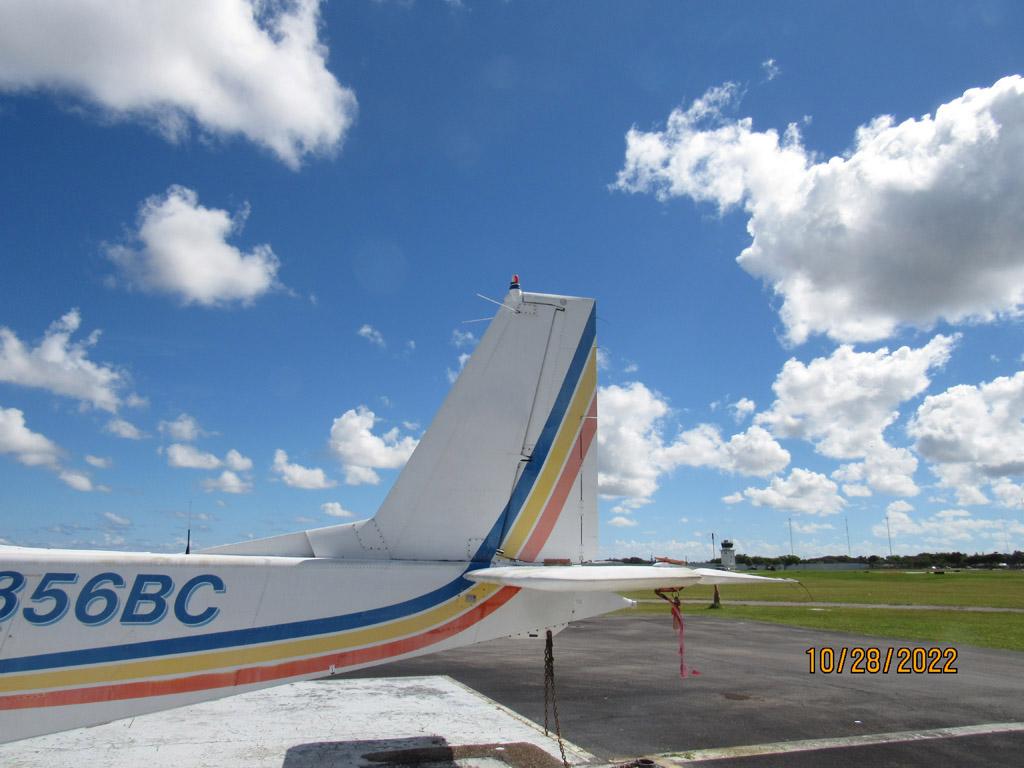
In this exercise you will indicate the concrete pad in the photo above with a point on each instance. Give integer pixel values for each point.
(423, 721)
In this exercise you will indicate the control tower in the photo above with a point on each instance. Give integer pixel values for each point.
(728, 555)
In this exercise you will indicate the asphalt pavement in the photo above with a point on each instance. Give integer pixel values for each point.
(620, 694)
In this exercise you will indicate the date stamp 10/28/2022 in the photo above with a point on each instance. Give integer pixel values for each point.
(903, 660)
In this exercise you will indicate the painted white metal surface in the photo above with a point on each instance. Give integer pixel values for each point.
(329, 722)
(605, 578)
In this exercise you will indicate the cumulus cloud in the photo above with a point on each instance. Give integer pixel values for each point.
(943, 530)
(100, 462)
(227, 482)
(60, 365)
(125, 429)
(771, 69)
(116, 519)
(184, 429)
(362, 452)
(30, 448)
(803, 491)
(810, 528)
(452, 374)
(297, 476)
(461, 339)
(973, 435)
(182, 249)
(742, 408)
(843, 403)
(372, 335)
(236, 461)
(918, 222)
(633, 452)
(35, 450)
(183, 456)
(78, 480)
(621, 521)
(189, 457)
(235, 67)
(334, 509)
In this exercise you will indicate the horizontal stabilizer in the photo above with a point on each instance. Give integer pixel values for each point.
(606, 578)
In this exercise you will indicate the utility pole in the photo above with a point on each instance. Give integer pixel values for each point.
(849, 551)
(888, 530)
(791, 536)
(712, 546)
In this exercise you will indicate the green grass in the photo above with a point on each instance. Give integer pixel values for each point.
(998, 589)
(991, 630)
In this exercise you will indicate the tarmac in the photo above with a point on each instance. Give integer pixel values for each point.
(621, 697)
(750, 701)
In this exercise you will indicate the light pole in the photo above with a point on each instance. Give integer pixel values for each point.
(888, 530)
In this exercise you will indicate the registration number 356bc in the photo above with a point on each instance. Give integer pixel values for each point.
(107, 596)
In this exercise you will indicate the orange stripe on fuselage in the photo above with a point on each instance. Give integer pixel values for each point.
(560, 494)
(261, 674)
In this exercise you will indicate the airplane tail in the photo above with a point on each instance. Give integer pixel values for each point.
(506, 469)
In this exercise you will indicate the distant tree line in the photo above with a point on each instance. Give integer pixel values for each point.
(920, 560)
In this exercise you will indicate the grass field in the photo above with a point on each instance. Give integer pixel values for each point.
(997, 589)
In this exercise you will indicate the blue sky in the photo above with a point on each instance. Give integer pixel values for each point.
(238, 250)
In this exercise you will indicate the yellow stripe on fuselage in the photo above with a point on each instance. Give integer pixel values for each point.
(240, 656)
(516, 538)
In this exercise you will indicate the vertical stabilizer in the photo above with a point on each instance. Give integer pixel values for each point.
(507, 465)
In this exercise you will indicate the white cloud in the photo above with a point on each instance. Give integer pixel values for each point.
(462, 338)
(803, 492)
(944, 530)
(236, 461)
(854, 490)
(117, 520)
(452, 375)
(733, 498)
(77, 480)
(189, 457)
(633, 452)
(844, 402)
(918, 222)
(334, 509)
(603, 360)
(885, 469)
(227, 482)
(1009, 494)
(184, 429)
(182, 250)
(100, 462)
(60, 365)
(30, 448)
(297, 476)
(973, 435)
(361, 452)
(742, 408)
(620, 521)
(35, 450)
(135, 400)
(809, 528)
(183, 456)
(771, 69)
(125, 429)
(372, 335)
(235, 67)
(899, 505)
